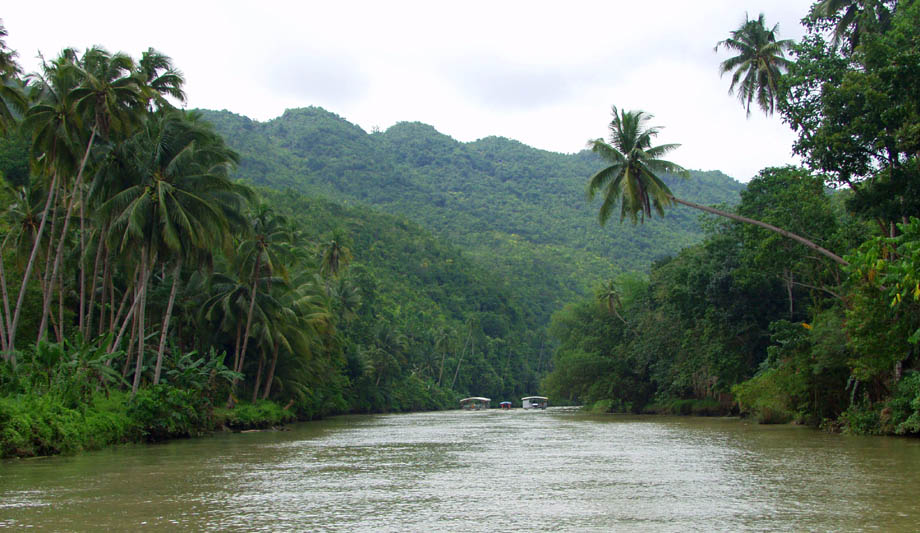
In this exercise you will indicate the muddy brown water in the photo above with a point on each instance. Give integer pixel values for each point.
(553, 470)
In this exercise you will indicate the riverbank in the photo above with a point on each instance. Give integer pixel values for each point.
(33, 425)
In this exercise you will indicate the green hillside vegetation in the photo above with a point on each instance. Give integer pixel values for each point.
(519, 210)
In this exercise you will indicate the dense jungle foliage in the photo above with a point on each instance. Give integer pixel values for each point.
(749, 319)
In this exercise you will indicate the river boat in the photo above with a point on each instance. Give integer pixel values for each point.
(505, 405)
(535, 402)
(474, 403)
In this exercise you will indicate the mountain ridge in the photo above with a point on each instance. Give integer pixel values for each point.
(513, 207)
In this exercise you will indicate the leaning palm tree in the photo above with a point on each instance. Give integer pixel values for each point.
(631, 180)
(759, 64)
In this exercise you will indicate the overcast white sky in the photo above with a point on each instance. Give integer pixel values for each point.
(543, 73)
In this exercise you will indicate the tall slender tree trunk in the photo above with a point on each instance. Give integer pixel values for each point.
(77, 186)
(81, 264)
(469, 341)
(258, 383)
(5, 312)
(115, 343)
(112, 295)
(92, 291)
(271, 371)
(252, 305)
(58, 257)
(28, 272)
(107, 295)
(130, 351)
(60, 327)
(788, 281)
(441, 371)
(788, 234)
(169, 307)
(47, 280)
(142, 296)
(236, 345)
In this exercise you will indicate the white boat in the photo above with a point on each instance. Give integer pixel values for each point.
(535, 402)
(475, 403)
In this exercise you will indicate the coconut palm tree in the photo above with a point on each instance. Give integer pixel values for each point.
(266, 250)
(158, 78)
(336, 255)
(854, 18)
(53, 123)
(8, 65)
(759, 64)
(609, 296)
(12, 100)
(180, 203)
(631, 178)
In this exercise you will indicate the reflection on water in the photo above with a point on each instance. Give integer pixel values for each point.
(554, 470)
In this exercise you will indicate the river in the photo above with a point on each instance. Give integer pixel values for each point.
(553, 470)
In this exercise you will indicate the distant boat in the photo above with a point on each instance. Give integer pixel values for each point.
(505, 405)
(474, 403)
(535, 402)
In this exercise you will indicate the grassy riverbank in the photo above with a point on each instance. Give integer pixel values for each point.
(48, 425)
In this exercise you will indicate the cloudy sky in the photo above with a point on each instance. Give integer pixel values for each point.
(543, 73)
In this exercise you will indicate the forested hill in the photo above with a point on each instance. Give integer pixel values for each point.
(521, 211)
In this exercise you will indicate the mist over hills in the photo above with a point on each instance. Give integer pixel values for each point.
(520, 211)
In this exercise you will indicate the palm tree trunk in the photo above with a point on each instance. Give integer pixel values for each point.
(441, 371)
(82, 266)
(117, 317)
(4, 312)
(25, 277)
(801, 240)
(47, 281)
(236, 345)
(788, 281)
(142, 296)
(77, 186)
(58, 256)
(129, 352)
(258, 383)
(457, 373)
(5, 316)
(60, 328)
(271, 372)
(92, 290)
(108, 290)
(252, 305)
(169, 307)
(111, 288)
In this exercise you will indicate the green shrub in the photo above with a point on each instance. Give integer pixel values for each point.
(862, 419)
(163, 412)
(33, 425)
(767, 397)
(904, 406)
(601, 406)
(262, 414)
